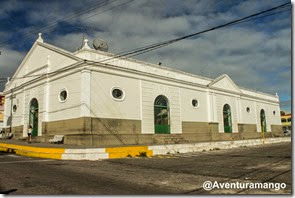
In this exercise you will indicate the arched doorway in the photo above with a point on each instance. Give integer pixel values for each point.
(161, 115)
(33, 116)
(227, 121)
(262, 121)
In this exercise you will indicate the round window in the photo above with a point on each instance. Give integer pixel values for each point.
(248, 109)
(195, 103)
(63, 95)
(14, 108)
(274, 112)
(118, 94)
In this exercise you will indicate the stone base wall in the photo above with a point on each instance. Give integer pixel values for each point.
(199, 131)
(87, 131)
(17, 131)
(277, 130)
(88, 125)
(248, 131)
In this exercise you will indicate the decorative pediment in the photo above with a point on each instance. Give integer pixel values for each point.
(41, 56)
(224, 82)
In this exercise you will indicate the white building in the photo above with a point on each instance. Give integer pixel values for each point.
(125, 101)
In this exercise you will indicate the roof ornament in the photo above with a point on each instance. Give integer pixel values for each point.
(40, 39)
(86, 46)
(277, 95)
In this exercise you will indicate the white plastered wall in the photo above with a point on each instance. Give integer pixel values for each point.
(271, 119)
(36, 63)
(33, 91)
(150, 91)
(189, 113)
(17, 115)
(251, 116)
(221, 100)
(70, 108)
(103, 105)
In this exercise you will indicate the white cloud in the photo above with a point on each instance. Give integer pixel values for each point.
(254, 56)
(9, 61)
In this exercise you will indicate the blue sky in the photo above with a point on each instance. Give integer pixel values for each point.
(255, 54)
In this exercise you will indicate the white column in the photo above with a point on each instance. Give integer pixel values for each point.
(257, 117)
(85, 93)
(46, 94)
(6, 112)
(24, 113)
(214, 108)
(46, 102)
(209, 107)
(238, 107)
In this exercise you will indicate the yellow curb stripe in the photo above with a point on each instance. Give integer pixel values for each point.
(28, 151)
(130, 151)
(56, 153)
(127, 148)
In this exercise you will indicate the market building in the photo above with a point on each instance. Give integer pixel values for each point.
(287, 121)
(93, 97)
(2, 102)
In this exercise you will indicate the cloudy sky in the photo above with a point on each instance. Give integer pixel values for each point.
(255, 54)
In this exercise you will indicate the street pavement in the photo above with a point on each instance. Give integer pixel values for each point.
(167, 174)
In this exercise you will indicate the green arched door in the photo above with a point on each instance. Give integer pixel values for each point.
(161, 115)
(33, 116)
(227, 121)
(262, 121)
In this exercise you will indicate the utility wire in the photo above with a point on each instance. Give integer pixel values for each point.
(155, 46)
(71, 16)
(93, 7)
(168, 42)
(242, 20)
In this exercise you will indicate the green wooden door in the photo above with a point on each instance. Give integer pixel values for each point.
(262, 121)
(33, 116)
(227, 121)
(161, 116)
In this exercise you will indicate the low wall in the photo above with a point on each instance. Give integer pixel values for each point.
(17, 131)
(130, 151)
(105, 132)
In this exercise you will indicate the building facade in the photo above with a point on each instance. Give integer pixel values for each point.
(2, 102)
(95, 98)
(287, 121)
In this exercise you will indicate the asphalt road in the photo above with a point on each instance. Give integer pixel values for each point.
(173, 174)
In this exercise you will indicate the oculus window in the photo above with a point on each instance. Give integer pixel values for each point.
(195, 103)
(118, 94)
(63, 95)
(14, 108)
(248, 109)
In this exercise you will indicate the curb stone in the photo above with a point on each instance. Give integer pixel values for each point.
(130, 151)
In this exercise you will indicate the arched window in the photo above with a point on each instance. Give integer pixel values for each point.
(227, 121)
(33, 116)
(262, 120)
(161, 115)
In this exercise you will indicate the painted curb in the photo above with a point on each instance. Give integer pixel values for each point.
(29, 151)
(207, 146)
(130, 151)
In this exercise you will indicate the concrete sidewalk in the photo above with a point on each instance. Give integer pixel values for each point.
(68, 152)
